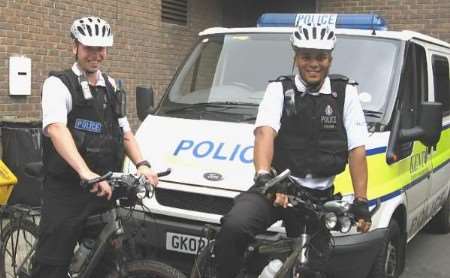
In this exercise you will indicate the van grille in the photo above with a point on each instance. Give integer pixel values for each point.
(193, 201)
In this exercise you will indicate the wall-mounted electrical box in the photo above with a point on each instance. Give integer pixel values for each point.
(19, 76)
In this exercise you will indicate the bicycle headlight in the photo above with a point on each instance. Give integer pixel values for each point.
(141, 192)
(345, 224)
(330, 220)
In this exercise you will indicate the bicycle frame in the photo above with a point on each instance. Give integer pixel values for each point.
(112, 228)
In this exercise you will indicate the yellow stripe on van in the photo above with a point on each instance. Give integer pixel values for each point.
(386, 179)
(442, 154)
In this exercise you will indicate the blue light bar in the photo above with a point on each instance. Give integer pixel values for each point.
(348, 21)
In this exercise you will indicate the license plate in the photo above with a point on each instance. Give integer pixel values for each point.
(184, 243)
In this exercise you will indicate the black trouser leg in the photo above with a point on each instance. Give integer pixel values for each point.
(251, 214)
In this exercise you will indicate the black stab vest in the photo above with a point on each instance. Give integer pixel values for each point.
(94, 127)
(312, 139)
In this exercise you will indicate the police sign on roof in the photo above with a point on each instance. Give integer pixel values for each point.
(324, 19)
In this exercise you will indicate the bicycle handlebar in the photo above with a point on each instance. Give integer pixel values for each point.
(337, 206)
(125, 182)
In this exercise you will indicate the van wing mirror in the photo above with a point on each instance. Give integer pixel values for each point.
(428, 131)
(144, 102)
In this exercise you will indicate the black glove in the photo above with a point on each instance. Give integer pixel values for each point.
(360, 209)
(260, 181)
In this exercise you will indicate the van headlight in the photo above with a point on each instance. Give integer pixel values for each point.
(330, 220)
(345, 224)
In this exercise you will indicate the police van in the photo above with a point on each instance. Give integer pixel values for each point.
(203, 129)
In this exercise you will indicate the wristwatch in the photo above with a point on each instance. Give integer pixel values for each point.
(142, 163)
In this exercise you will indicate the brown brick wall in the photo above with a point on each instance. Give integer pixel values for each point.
(431, 17)
(146, 51)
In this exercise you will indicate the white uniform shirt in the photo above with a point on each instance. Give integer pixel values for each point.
(57, 100)
(271, 108)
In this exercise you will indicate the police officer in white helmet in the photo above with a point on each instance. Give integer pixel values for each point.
(312, 124)
(86, 134)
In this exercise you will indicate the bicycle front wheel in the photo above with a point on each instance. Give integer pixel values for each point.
(18, 238)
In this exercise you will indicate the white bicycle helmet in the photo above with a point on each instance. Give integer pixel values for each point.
(314, 35)
(92, 31)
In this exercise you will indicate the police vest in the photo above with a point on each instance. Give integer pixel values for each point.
(94, 127)
(312, 139)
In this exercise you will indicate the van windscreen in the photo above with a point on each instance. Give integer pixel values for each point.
(236, 68)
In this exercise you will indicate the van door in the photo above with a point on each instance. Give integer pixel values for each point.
(415, 91)
(441, 154)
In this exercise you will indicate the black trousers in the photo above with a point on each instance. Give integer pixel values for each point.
(65, 208)
(250, 215)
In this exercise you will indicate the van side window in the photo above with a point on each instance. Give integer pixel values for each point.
(415, 91)
(441, 82)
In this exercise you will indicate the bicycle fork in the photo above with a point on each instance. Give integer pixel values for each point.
(298, 260)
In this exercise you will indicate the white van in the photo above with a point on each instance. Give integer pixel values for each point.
(203, 130)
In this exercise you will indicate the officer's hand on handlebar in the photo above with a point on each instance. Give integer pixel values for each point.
(149, 174)
(281, 199)
(260, 181)
(101, 188)
(362, 214)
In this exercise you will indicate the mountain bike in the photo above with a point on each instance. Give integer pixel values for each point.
(100, 256)
(299, 257)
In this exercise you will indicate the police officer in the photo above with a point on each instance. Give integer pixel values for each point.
(86, 135)
(312, 124)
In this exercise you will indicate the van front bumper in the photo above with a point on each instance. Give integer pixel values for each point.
(352, 256)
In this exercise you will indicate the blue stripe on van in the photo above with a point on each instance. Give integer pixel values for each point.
(376, 151)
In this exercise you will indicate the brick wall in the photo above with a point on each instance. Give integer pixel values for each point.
(431, 17)
(146, 51)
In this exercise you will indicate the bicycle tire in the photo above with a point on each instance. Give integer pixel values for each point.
(18, 237)
(151, 269)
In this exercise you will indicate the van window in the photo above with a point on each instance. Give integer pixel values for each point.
(441, 82)
(232, 67)
(370, 62)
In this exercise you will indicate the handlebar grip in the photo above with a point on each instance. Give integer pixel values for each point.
(164, 173)
(87, 184)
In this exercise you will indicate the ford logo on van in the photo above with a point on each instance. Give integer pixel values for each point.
(213, 176)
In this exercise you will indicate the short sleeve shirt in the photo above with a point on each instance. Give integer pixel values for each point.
(271, 108)
(57, 100)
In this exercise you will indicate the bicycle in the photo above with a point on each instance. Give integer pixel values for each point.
(18, 234)
(128, 190)
(332, 215)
